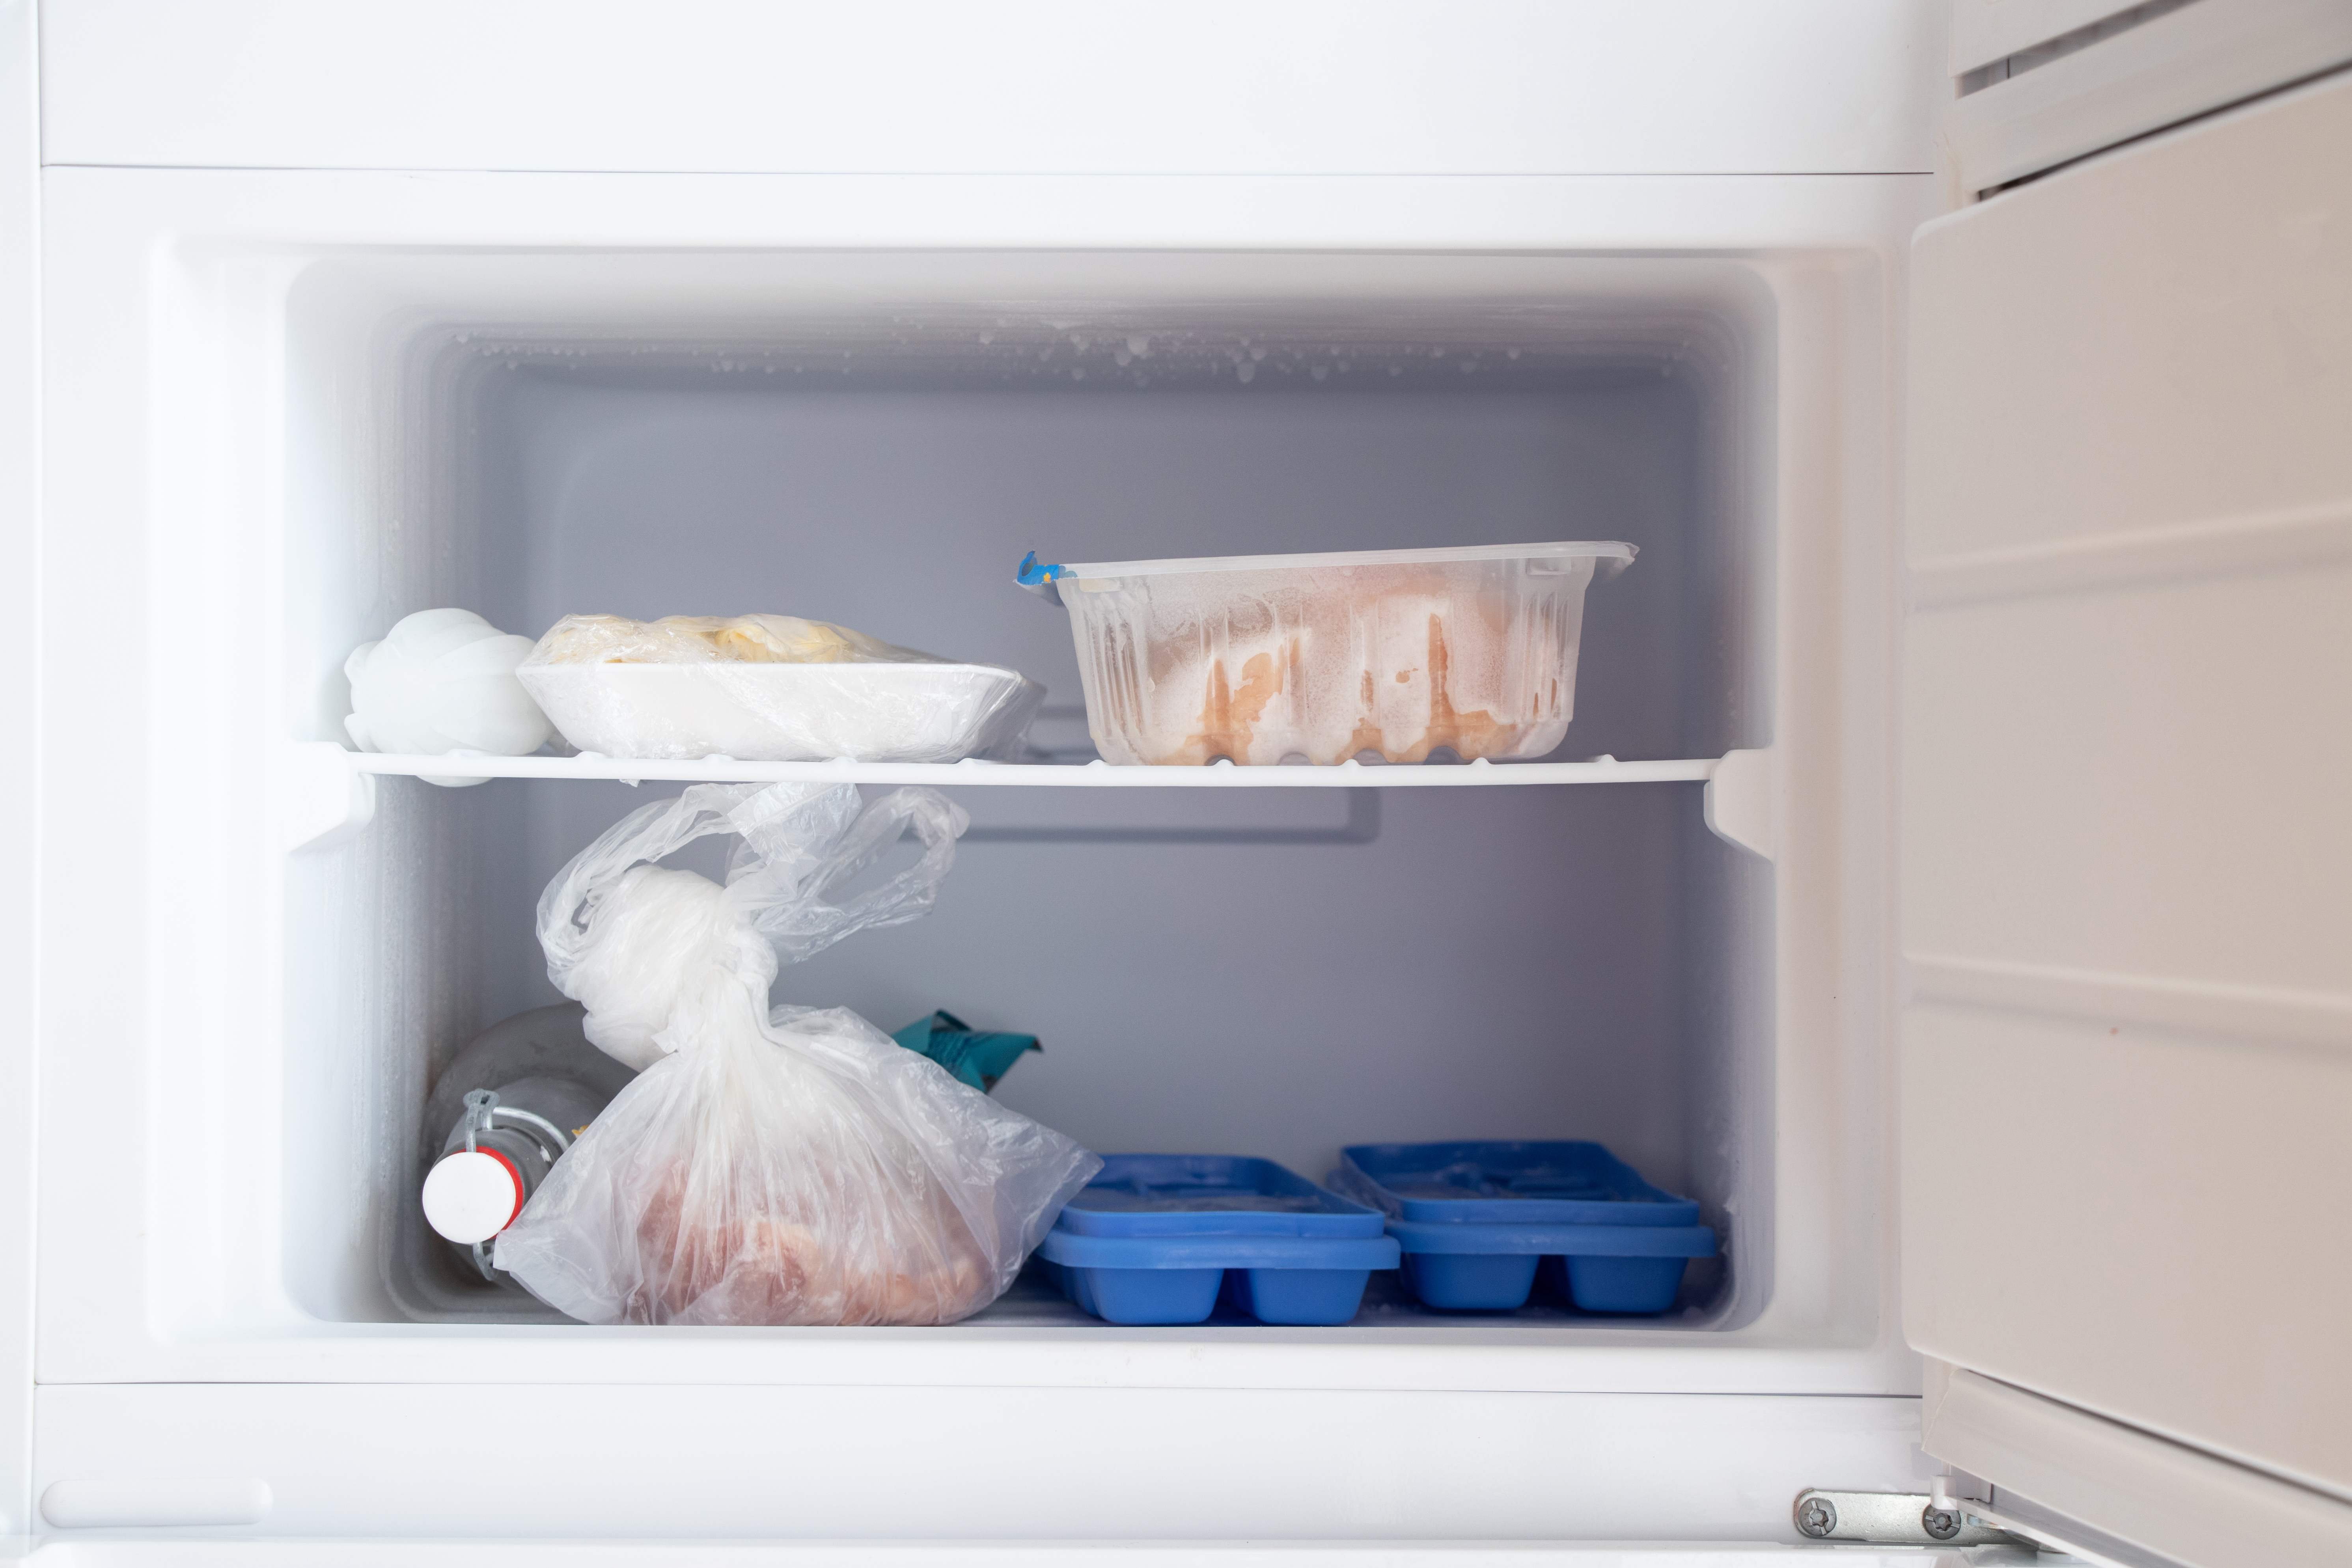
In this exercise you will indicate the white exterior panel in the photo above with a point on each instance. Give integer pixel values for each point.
(981, 1463)
(1491, 86)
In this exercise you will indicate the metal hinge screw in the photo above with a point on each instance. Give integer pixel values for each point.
(1893, 1519)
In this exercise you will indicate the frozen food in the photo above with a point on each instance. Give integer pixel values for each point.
(703, 639)
(1393, 656)
(784, 1165)
(441, 681)
(769, 688)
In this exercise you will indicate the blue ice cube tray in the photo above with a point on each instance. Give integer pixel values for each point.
(1163, 1239)
(1476, 1221)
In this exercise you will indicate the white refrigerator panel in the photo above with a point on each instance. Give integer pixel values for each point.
(716, 1463)
(2127, 868)
(928, 86)
(19, 720)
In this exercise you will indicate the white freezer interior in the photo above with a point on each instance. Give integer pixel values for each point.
(877, 440)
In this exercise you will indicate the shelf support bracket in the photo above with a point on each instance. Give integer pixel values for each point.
(1742, 801)
(326, 799)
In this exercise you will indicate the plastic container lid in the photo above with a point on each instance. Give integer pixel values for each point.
(1171, 1196)
(472, 1195)
(1515, 1183)
(1599, 549)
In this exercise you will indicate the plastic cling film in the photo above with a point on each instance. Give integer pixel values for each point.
(769, 688)
(706, 639)
(443, 680)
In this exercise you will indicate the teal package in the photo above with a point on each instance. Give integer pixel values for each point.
(976, 1057)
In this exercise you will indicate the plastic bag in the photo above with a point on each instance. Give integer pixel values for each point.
(784, 1166)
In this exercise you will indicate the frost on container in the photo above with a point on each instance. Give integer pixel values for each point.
(1395, 654)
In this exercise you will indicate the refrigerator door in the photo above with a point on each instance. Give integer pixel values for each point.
(2126, 877)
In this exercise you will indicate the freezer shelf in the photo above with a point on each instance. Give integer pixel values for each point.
(330, 792)
(1096, 774)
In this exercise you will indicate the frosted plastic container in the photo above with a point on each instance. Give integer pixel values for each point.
(788, 712)
(1394, 654)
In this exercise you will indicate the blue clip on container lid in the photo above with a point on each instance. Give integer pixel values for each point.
(1041, 578)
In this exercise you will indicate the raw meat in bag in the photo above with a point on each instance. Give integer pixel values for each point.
(791, 1165)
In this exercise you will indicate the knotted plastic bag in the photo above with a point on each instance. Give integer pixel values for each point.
(767, 1166)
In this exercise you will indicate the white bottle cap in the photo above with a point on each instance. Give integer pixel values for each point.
(472, 1195)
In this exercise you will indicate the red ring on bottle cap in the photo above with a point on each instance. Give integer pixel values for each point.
(514, 1174)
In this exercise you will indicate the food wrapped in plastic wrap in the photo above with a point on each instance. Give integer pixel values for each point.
(770, 1167)
(1396, 654)
(769, 688)
(440, 681)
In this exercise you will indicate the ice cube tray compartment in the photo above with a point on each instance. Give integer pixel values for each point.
(1476, 1220)
(1163, 1239)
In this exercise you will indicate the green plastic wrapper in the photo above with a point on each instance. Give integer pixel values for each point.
(976, 1057)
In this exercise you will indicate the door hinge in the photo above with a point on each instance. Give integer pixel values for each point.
(1896, 1518)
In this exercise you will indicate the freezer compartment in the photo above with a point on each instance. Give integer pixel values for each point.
(1538, 979)
(872, 440)
(1561, 955)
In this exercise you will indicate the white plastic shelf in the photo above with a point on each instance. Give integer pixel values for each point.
(1085, 775)
(329, 791)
